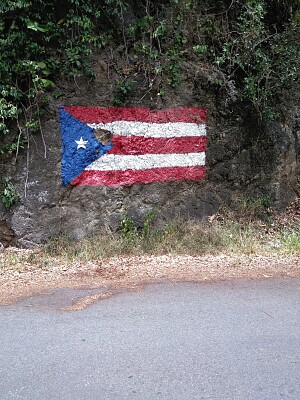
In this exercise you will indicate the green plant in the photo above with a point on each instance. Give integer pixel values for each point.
(40, 41)
(173, 74)
(253, 45)
(254, 207)
(123, 90)
(140, 236)
(261, 55)
(16, 143)
(7, 111)
(200, 48)
(9, 195)
(289, 241)
(225, 236)
(147, 228)
(129, 229)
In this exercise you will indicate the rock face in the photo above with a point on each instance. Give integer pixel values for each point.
(244, 159)
(7, 237)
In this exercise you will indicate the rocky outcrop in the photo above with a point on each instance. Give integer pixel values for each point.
(244, 159)
(7, 236)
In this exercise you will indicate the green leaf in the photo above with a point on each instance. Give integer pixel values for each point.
(41, 65)
(35, 26)
(47, 83)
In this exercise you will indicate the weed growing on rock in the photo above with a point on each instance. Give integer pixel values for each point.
(220, 236)
(8, 194)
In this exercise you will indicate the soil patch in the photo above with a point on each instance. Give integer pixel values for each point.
(133, 272)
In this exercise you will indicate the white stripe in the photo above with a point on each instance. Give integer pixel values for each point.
(112, 162)
(164, 130)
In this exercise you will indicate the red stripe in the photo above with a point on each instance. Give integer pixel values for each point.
(142, 145)
(129, 177)
(110, 114)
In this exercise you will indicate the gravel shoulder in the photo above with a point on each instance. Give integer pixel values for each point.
(133, 272)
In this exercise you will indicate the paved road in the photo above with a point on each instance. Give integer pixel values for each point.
(231, 340)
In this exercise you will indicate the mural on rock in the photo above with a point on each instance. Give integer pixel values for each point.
(119, 146)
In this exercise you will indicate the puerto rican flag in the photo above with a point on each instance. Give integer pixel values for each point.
(144, 145)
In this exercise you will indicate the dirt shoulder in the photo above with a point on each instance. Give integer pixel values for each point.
(132, 272)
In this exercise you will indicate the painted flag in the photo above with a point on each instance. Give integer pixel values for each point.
(143, 145)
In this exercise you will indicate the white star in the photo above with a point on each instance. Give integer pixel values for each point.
(81, 143)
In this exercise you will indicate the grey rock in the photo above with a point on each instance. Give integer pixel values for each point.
(243, 156)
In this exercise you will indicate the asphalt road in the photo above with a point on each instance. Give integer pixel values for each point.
(230, 340)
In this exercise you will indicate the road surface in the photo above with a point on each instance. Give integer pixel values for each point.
(227, 340)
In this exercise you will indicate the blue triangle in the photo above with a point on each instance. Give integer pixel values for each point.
(74, 159)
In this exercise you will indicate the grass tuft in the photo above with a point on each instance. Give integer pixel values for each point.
(221, 234)
(229, 237)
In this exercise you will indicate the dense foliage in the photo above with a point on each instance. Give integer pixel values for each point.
(254, 44)
(39, 42)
